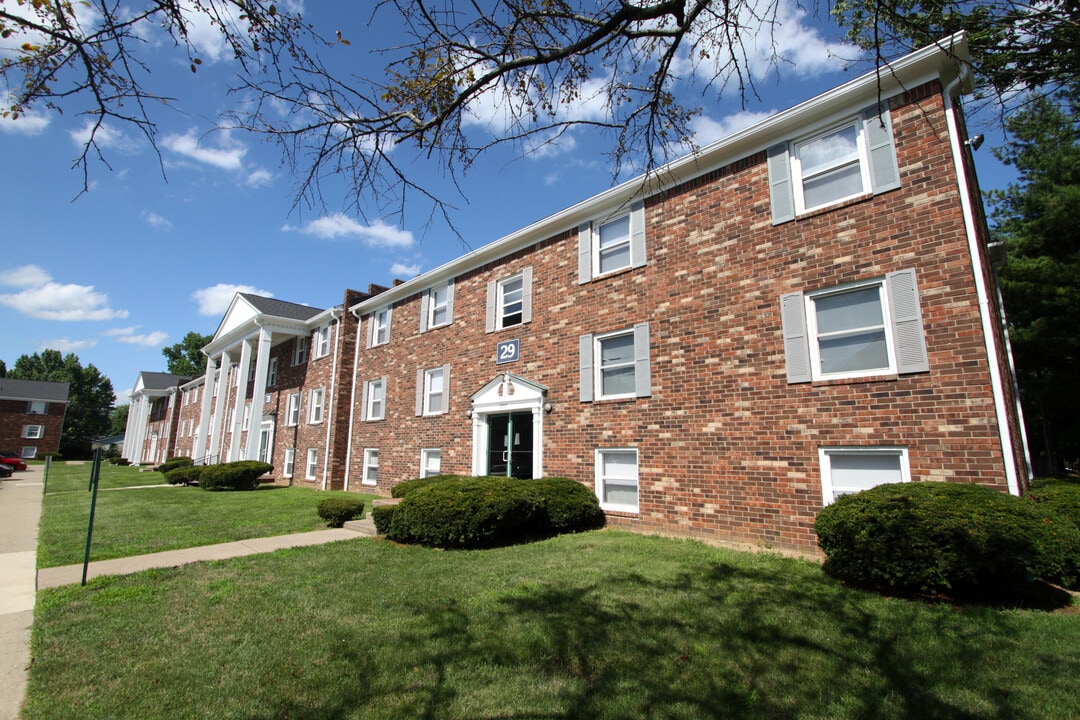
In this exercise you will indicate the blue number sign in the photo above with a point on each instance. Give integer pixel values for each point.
(507, 351)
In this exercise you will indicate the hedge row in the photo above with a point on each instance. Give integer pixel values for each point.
(241, 475)
(338, 511)
(479, 512)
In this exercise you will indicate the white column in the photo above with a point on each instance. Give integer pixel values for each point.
(241, 400)
(199, 450)
(258, 395)
(133, 446)
(222, 386)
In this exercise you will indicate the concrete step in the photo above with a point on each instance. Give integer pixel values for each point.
(366, 526)
(385, 501)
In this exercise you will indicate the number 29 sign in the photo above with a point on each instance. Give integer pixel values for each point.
(507, 351)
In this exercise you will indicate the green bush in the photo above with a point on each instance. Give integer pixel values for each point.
(184, 475)
(459, 512)
(383, 517)
(241, 475)
(402, 489)
(936, 537)
(1059, 494)
(338, 511)
(173, 463)
(123, 462)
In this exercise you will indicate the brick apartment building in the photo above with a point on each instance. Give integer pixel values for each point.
(803, 309)
(31, 416)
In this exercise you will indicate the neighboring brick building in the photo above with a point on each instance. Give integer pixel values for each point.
(31, 416)
(803, 309)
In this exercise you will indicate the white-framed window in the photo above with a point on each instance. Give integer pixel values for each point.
(290, 462)
(316, 404)
(33, 432)
(195, 395)
(322, 340)
(312, 465)
(612, 244)
(271, 372)
(247, 417)
(615, 365)
(617, 479)
(292, 410)
(430, 462)
(37, 407)
(29, 452)
(374, 407)
(379, 332)
(371, 466)
(509, 301)
(850, 158)
(846, 470)
(856, 330)
(437, 307)
(433, 391)
(300, 350)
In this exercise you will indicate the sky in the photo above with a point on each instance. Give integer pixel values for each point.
(162, 240)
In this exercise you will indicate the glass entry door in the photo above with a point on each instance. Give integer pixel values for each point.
(510, 445)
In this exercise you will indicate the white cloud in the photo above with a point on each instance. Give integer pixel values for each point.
(145, 340)
(706, 129)
(215, 300)
(404, 271)
(260, 177)
(65, 345)
(229, 154)
(377, 234)
(47, 300)
(156, 221)
(123, 397)
(106, 137)
(31, 122)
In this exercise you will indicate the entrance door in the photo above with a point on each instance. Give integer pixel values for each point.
(266, 441)
(510, 445)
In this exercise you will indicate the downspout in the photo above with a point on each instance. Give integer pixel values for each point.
(987, 317)
(352, 400)
(334, 314)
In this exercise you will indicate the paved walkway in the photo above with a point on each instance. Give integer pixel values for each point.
(20, 510)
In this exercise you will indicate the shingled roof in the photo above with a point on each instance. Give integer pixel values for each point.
(12, 389)
(280, 308)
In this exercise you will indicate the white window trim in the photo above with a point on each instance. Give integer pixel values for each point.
(247, 418)
(429, 307)
(387, 313)
(425, 457)
(271, 372)
(589, 364)
(39, 432)
(815, 345)
(598, 370)
(369, 455)
(300, 350)
(292, 410)
(369, 398)
(290, 462)
(500, 302)
(28, 452)
(863, 159)
(828, 490)
(311, 464)
(316, 407)
(599, 480)
(589, 244)
(322, 340)
(495, 317)
(428, 375)
(30, 407)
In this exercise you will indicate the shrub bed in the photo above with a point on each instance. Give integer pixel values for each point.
(459, 512)
(938, 537)
(402, 489)
(338, 511)
(184, 475)
(241, 475)
(383, 517)
(1060, 495)
(173, 463)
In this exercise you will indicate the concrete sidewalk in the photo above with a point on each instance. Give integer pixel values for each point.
(20, 511)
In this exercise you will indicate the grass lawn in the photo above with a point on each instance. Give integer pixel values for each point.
(599, 625)
(155, 519)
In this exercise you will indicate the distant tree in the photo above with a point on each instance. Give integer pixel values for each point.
(1037, 218)
(90, 397)
(3, 369)
(118, 419)
(185, 357)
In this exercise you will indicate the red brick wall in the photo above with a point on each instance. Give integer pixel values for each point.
(13, 418)
(727, 448)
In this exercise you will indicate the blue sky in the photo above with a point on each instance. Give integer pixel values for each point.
(159, 244)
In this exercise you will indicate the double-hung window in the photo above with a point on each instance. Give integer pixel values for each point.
(615, 365)
(437, 307)
(379, 332)
(849, 470)
(290, 462)
(37, 407)
(374, 403)
(857, 330)
(316, 406)
(33, 431)
(430, 462)
(322, 340)
(271, 372)
(610, 245)
(849, 159)
(300, 350)
(247, 417)
(617, 479)
(433, 391)
(292, 410)
(312, 464)
(371, 466)
(509, 301)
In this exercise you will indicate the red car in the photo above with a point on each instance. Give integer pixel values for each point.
(12, 461)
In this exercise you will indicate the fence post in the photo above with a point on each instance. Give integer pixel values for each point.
(94, 475)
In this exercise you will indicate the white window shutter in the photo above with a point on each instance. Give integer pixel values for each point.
(907, 325)
(637, 234)
(884, 170)
(781, 193)
(389, 322)
(492, 299)
(425, 300)
(584, 253)
(450, 301)
(371, 330)
(364, 401)
(385, 396)
(796, 343)
(642, 368)
(526, 294)
(420, 391)
(585, 364)
(446, 388)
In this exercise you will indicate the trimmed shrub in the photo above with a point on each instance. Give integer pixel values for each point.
(241, 475)
(184, 475)
(123, 462)
(1059, 494)
(338, 511)
(173, 463)
(402, 489)
(383, 517)
(460, 512)
(938, 537)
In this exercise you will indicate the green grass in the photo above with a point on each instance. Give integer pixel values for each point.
(155, 519)
(599, 625)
